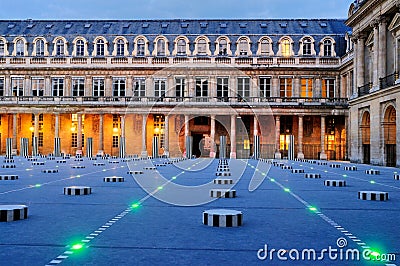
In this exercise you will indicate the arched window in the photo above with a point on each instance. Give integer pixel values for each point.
(223, 47)
(140, 47)
(286, 47)
(120, 47)
(80, 48)
(100, 47)
(202, 47)
(327, 47)
(307, 48)
(181, 49)
(2, 48)
(40, 47)
(160, 47)
(265, 47)
(20, 49)
(60, 47)
(243, 47)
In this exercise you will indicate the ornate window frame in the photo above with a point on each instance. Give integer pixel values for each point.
(260, 42)
(196, 45)
(46, 46)
(303, 41)
(177, 39)
(166, 46)
(280, 44)
(115, 42)
(228, 46)
(322, 47)
(239, 40)
(75, 45)
(24, 43)
(65, 44)
(95, 41)
(146, 46)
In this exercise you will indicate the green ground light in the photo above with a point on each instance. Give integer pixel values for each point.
(135, 205)
(77, 246)
(312, 208)
(286, 190)
(372, 182)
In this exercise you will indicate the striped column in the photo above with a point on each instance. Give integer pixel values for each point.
(57, 147)
(89, 147)
(9, 143)
(35, 150)
(291, 148)
(24, 147)
(256, 147)
(222, 147)
(122, 147)
(189, 146)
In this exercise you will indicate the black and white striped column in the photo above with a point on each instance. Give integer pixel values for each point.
(256, 147)
(24, 142)
(291, 148)
(57, 147)
(222, 218)
(189, 147)
(89, 147)
(35, 148)
(154, 147)
(373, 195)
(9, 147)
(222, 147)
(9, 213)
(122, 147)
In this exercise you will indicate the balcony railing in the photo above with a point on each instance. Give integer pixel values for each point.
(364, 90)
(172, 101)
(386, 82)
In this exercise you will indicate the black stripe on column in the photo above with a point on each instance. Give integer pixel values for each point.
(205, 218)
(3, 216)
(216, 220)
(25, 212)
(240, 219)
(16, 215)
(229, 220)
(373, 196)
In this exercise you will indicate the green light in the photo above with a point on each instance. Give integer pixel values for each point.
(372, 182)
(272, 180)
(263, 174)
(77, 246)
(174, 177)
(313, 209)
(78, 176)
(135, 205)
(160, 187)
(326, 171)
(189, 168)
(38, 185)
(286, 190)
(375, 254)
(344, 175)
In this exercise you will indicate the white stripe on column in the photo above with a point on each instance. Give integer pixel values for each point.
(222, 147)
(256, 147)
(35, 146)
(89, 147)
(155, 147)
(122, 152)
(9, 147)
(189, 146)
(57, 147)
(24, 147)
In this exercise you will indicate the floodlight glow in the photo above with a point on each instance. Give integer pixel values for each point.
(344, 175)
(286, 190)
(174, 177)
(160, 187)
(38, 185)
(78, 176)
(135, 205)
(372, 182)
(313, 209)
(77, 246)
(272, 180)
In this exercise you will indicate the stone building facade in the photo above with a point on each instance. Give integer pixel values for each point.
(121, 83)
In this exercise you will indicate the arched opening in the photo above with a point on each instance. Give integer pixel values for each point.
(365, 138)
(389, 128)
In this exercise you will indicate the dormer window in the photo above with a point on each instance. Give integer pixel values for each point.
(327, 47)
(286, 47)
(60, 47)
(243, 47)
(307, 49)
(100, 47)
(20, 48)
(80, 48)
(223, 47)
(2, 48)
(40, 48)
(140, 47)
(120, 47)
(160, 47)
(265, 47)
(202, 47)
(181, 49)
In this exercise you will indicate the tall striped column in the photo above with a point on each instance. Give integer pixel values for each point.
(89, 147)
(122, 147)
(291, 148)
(9, 143)
(256, 147)
(57, 147)
(24, 147)
(189, 146)
(222, 147)
(154, 149)
(35, 149)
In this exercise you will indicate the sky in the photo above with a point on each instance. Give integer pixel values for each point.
(164, 9)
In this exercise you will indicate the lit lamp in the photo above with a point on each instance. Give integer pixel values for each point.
(115, 129)
(31, 129)
(156, 130)
(73, 128)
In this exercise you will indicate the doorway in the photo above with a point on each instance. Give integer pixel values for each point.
(197, 142)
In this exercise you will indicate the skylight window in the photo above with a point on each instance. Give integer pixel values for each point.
(49, 26)
(243, 25)
(87, 25)
(303, 24)
(145, 25)
(106, 26)
(30, 26)
(184, 25)
(283, 24)
(263, 25)
(323, 24)
(68, 26)
(223, 25)
(203, 24)
(164, 25)
(10, 26)
(126, 25)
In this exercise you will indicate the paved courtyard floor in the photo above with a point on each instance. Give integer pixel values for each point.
(155, 218)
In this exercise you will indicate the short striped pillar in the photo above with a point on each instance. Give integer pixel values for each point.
(291, 148)
(256, 147)
(223, 218)
(9, 147)
(189, 146)
(57, 147)
(222, 147)
(35, 150)
(89, 147)
(24, 147)
(154, 148)
(122, 147)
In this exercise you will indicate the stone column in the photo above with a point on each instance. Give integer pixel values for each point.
(255, 126)
(108, 86)
(233, 137)
(275, 87)
(360, 61)
(88, 86)
(348, 138)
(14, 131)
(67, 86)
(375, 79)
(300, 154)
(318, 87)
(123, 126)
(48, 90)
(254, 87)
(354, 90)
(166, 135)
(297, 87)
(382, 48)
(7, 86)
(277, 137)
(323, 156)
(36, 127)
(56, 125)
(212, 137)
(144, 139)
(101, 134)
(186, 126)
(79, 135)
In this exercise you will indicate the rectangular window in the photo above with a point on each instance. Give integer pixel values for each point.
(2, 91)
(265, 87)
(222, 88)
(139, 87)
(159, 126)
(40, 139)
(201, 87)
(159, 87)
(17, 85)
(285, 87)
(306, 88)
(2, 48)
(58, 86)
(328, 88)
(119, 86)
(243, 87)
(115, 141)
(180, 87)
(37, 86)
(78, 87)
(74, 140)
(116, 121)
(98, 87)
